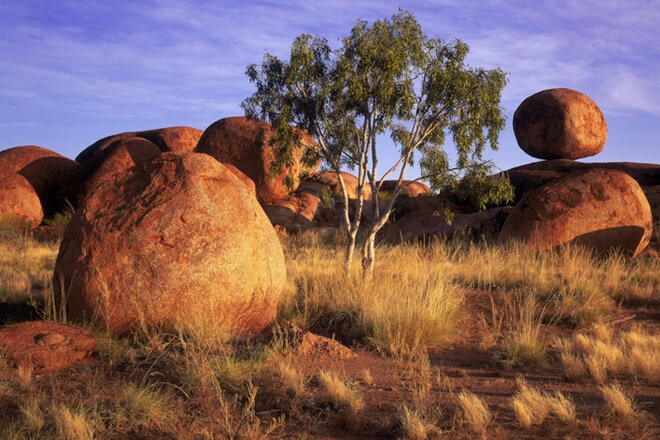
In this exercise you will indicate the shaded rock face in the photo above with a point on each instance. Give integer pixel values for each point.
(426, 224)
(317, 202)
(302, 211)
(601, 209)
(244, 143)
(243, 178)
(176, 241)
(408, 188)
(178, 139)
(530, 176)
(330, 180)
(19, 204)
(559, 124)
(126, 154)
(45, 345)
(55, 178)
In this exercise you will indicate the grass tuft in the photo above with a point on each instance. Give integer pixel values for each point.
(475, 410)
(341, 392)
(618, 401)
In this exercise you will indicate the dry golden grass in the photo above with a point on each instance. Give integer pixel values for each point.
(402, 312)
(179, 383)
(416, 424)
(604, 353)
(26, 267)
(341, 392)
(475, 411)
(73, 423)
(531, 406)
(293, 379)
(523, 344)
(563, 407)
(618, 401)
(34, 419)
(143, 406)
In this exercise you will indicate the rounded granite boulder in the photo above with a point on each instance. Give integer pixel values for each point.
(560, 124)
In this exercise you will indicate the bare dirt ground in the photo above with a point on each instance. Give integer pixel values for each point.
(393, 383)
(386, 385)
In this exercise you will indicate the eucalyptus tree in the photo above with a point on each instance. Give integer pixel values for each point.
(387, 78)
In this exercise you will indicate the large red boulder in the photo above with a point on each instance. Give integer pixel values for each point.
(19, 203)
(533, 175)
(560, 124)
(330, 180)
(177, 241)
(601, 209)
(125, 154)
(45, 345)
(244, 143)
(409, 188)
(302, 211)
(178, 139)
(423, 224)
(55, 178)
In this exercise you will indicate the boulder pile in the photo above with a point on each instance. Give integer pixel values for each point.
(245, 144)
(174, 226)
(29, 169)
(563, 201)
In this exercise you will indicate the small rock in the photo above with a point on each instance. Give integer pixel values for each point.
(46, 345)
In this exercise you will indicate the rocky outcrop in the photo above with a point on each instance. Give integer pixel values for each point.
(245, 144)
(123, 155)
(45, 345)
(408, 188)
(420, 225)
(601, 209)
(330, 180)
(531, 176)
(177, 139)
(55, 178)
(177, 241)
(318, 202)
(19, 204)
(559, 124)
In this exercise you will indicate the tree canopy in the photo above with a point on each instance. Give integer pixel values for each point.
(387, 78)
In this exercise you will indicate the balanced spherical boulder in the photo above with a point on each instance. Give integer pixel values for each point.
(245, 143)
(177, 241)
(601, 209)
(55, 178)
(560, 124)
(19, 204)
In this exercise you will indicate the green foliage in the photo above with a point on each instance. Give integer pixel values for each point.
(387, 78)
(327, 198)
(59, 220)
(478, 186)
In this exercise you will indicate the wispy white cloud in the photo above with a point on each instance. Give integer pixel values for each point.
(176, 60)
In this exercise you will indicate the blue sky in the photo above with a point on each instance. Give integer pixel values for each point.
(74, 71)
